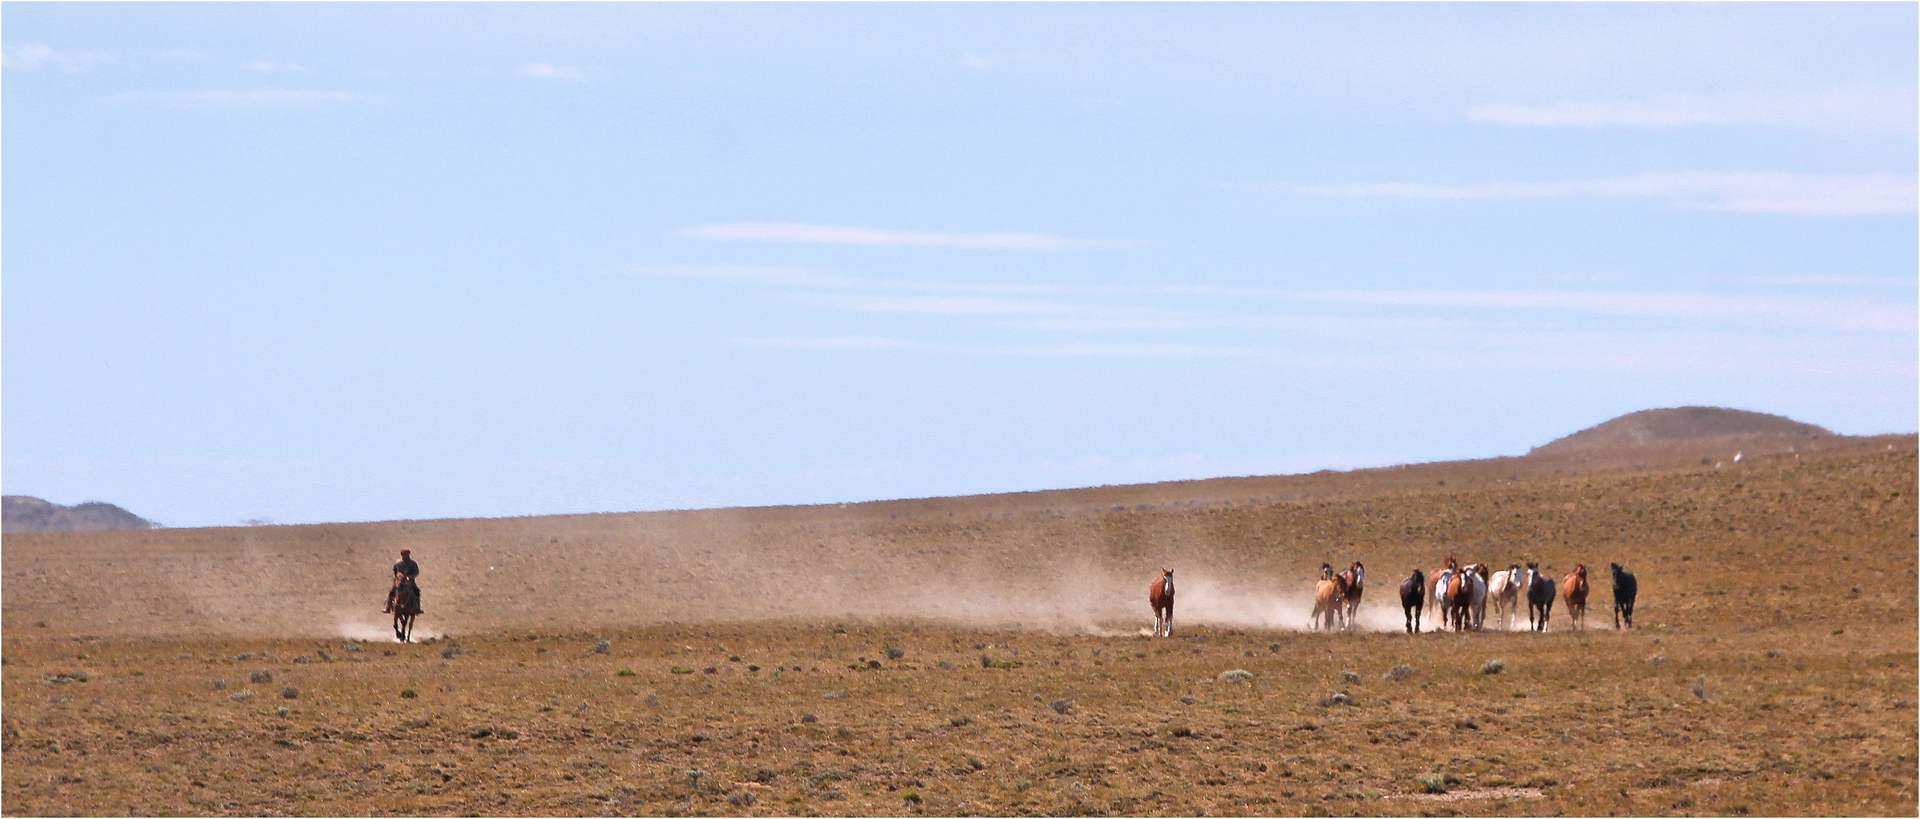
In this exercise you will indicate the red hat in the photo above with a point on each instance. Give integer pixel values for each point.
(406, 551)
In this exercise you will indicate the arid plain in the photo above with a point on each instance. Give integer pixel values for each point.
(983, 655)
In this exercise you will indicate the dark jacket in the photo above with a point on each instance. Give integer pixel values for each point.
(407, 567)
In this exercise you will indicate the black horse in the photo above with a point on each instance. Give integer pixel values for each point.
(406, 604)
(1625, 588)
(1413, 598)
(1539, 597)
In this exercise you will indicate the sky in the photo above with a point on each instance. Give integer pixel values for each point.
(326, 262)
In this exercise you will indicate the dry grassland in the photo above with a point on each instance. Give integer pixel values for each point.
(1775, 670)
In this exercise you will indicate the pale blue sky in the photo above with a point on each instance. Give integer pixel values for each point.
(357, 262)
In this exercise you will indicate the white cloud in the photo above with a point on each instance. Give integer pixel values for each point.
(40, 55)
(831, 234)
(1251, 306)
(1738, 191)
(1832, 280)
(269, 67)
(246, 97)
(549, 71)
(1839, 109)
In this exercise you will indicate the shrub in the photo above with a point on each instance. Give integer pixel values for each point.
(408, 693)
(1494, 667)
(681, 669)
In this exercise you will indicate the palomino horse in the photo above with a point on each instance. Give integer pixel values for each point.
(1539, 597)
(1625, 588)
(1503, 588)
(1574, 588)
(406, 604)
(1438, 596)
(1160, 596)
(1355, 576)
(1413, 598)
(1329, 595)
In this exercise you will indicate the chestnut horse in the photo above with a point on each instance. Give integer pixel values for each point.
(1459, 599)
(1574, 588)
(1625, 588)
(1413, 598)
(1355, 576)
(1539, 589)
(1160, 596)
(1329, 595)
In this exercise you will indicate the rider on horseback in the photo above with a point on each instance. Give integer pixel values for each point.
(406, 569)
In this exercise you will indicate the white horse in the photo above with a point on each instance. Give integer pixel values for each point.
(1437, 600)
(1504, 589)
(1476, 593)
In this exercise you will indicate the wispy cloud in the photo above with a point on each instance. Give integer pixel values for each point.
(41, 55)
(270, 67)
(1832, 280)
(262, 97)
(1840, 109)
(1740, 191)
(549, 71)
(833, 234)
(1090, 307)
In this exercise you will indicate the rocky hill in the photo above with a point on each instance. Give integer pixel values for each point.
(1660, 426)
(25, 513)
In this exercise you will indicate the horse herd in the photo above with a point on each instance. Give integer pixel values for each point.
(1459, 595)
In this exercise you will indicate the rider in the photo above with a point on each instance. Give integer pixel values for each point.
(406, 568)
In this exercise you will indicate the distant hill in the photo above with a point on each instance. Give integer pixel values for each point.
(24, 513)
(1659, 426)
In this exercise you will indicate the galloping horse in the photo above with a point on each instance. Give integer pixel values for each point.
(1459, 600)
(1503, 588)
(1477, 576)
(1356, 576)
(1160, 596)
(1328, 597)
(1539, 597)
(1438, 596)
(1574, 588)
(1625, 588)
(1413, 598)
(406, 604)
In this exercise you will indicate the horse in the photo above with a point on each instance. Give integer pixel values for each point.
(1413, 598)
(406, 604)
(1539, 597)
(1328, 597)
(1574, 588)
(1503, 588)
(1355, 576)
(1160, 596)
(1625, 588)
(1459, 600)
(1477, 576)
(1438, 597)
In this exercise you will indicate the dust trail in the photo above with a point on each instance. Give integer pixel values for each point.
(1206, 600)
(374, 629)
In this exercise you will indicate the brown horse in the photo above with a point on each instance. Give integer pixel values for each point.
(1574, 589)
(1356, 577)
(406, 604)
(1329, 595)
(1160, 596)
(1458, 604)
